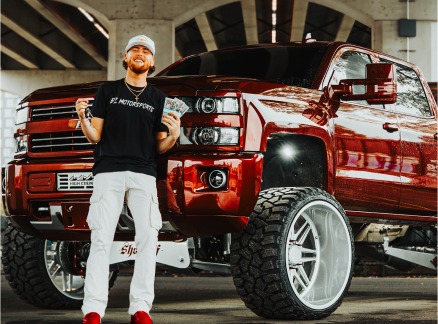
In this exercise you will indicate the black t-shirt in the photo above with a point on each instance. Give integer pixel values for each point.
(128, 140)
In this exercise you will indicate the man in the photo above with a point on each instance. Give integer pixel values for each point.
(128, 127)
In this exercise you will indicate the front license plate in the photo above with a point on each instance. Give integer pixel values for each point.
(77, 181)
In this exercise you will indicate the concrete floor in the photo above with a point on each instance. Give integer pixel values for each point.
(195, 300)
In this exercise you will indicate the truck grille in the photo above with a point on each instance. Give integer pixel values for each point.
(59, 141)
(54, 111)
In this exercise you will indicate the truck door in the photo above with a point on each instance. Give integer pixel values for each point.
(368, 156)
(418, 143)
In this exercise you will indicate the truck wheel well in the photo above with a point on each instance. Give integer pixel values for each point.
(293, 160)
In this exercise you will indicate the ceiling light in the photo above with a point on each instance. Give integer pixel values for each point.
(101, 30)
(90, 18)
(274, 21)
(274, 5)
(86, 14)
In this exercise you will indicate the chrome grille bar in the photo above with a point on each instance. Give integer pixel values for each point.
(56, 113)
(53, 145)
(63, 107)
(59, 142)
(48, 113)
(56, 138)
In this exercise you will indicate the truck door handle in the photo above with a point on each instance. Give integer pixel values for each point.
(435, 136)
(390, 127)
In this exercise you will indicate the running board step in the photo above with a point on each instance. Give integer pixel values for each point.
(209, 266)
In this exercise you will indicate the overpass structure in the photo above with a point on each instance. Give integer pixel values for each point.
(54, 42)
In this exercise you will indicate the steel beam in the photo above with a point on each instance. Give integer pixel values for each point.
(18, 57)
(67, 30)
(207, 34)
(178, 55)
(344, 29)
(298, 20)
(35, 41)
(250, 21)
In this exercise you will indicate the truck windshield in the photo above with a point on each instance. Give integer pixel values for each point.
(293, 65)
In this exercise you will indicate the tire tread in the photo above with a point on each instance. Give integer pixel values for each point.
(254, 256)
(25, 271)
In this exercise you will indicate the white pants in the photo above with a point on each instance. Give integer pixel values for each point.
(106, 204)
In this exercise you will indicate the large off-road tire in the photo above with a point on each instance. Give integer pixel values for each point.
(294, 259)
(27, 262)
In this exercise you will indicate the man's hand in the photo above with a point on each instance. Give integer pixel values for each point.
(173, 124)
(92, 130)
(163, 141)
(81, 108)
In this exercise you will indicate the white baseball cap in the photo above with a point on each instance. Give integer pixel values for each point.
(141, 40)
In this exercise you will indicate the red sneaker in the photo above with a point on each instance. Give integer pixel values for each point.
(91, 318)
(141, 318)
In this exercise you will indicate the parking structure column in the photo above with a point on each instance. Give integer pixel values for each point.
(161, 31)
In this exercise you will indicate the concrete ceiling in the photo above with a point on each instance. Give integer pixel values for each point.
(52, 35)
(228, 29)
(49, 35)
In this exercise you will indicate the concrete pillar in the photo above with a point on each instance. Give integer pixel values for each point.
(344, 29)
(298, 20)
(434, 52)
(161, 31)
(422, 48)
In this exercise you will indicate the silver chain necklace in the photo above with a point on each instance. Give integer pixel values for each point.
(133, 91)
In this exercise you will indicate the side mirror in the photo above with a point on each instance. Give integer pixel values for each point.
(380, 84)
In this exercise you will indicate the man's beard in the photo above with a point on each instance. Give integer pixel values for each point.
(138, 70)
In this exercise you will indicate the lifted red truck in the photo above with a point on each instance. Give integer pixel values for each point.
(305, 151)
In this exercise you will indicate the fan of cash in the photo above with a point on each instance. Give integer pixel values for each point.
(177, 106)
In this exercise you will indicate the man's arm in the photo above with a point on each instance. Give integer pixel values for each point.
(93, 130)
(164, 142)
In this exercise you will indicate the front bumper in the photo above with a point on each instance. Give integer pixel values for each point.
(187, 204)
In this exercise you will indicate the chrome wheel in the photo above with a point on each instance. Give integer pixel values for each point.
(61, 272)
(63, 279)
(293, 261)
(43, 273)
(318, 255)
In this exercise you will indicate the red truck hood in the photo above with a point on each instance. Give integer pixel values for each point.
(166, 84)
(200, 82)
(174, 85)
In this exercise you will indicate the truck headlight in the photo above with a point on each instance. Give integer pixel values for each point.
(22, 115)
(207, 105)
(209, 136)
(21, 144)
(230, 105)
(212, 105)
